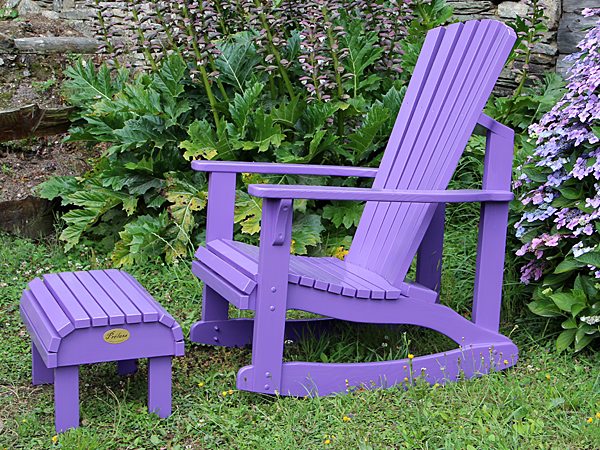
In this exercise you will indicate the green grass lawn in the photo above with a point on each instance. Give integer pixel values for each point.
(547, 401)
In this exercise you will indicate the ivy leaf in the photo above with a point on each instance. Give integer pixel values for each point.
(248, 212)
(342, 212)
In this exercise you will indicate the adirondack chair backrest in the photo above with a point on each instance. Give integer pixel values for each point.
(454, 76)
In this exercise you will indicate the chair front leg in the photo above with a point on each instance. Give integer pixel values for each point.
(271, 301)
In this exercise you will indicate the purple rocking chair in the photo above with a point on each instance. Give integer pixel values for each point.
(404, 216)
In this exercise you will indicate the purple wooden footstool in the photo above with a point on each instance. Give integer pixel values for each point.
(78, 318)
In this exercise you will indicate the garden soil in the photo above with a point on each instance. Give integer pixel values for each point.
(35, 79)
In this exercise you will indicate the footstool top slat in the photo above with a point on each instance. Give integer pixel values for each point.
(148, 310)
(72, 308)
(51, 308)
(132, 314)
(95, 312)
(163, 316)
(115, 315)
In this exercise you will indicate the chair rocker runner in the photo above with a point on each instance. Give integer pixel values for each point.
(404, 216)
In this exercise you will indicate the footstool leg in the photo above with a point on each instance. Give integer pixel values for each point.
(159, 386)
(66, 397)
(39, 372)
(126, 366)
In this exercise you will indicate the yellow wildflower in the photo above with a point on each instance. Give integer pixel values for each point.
(411, 356)
(598, 415)
(224, 393)
(346, 418)
(506, 361)
(200, 384)
(230, 391)
(327, 441)
(590, 420)
(547, 377)
(54, 438)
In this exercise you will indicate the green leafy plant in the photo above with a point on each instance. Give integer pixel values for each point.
(315, 83)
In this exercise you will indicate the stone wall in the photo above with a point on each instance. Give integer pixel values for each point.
(564, 22)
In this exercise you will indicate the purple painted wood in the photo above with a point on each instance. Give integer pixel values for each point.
(148, 310)
(55, 311)
(115, 315)
(94, 311)
(429, 256)
(404, 214)
(132, 314)
(379, 195)
(290, 169)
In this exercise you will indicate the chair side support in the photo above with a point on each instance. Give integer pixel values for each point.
(220, 212)
(491, 245)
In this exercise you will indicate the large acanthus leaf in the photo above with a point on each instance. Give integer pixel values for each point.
(362, 53)
(147, 129)
(306, 232)
(287, 114)
(248, 212)
(346, 213)
(315, 115)
(95, 200)
(86, 86)
(135, 98)
(241, 110)
(185, 197)
(265, 133)
(392, 101)
(168, 78)
(237, 60)
(58, 187)
(361, 139)
(204, 143)
(141, 239)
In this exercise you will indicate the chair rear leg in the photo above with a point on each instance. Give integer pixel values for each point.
(429, 255)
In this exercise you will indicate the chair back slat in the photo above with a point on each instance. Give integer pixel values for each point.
(453, 78)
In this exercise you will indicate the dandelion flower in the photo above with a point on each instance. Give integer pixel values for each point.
(224, 393)
(590, 420)
(547, 377)
(200, 384)
(405, 379)
(411, 356)
(346, 418)
(24, 421)
(54, 438)
(506, 361)
(598, 415)
(230, 391)
(327, 441)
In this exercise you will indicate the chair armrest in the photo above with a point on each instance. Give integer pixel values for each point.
(379, 195)
(485, 123)
(287, 169)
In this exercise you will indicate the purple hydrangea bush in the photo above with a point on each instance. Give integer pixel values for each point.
(560, 206)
